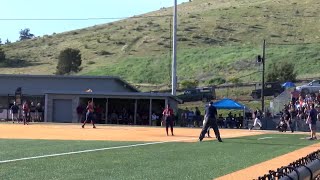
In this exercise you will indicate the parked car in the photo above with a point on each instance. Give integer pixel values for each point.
(271, 89)
(204, 94)
(312, 87)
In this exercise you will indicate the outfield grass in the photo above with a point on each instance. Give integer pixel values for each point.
(176, 160)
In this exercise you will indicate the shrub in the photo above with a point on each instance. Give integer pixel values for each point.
(235, 80)
(189, 84)
(90, 62)
(2, 55)
(281, 71)
(104, 53)
(217, 81)
(69, 61)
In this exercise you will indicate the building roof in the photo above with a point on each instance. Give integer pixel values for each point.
(101, 93)
(39, 83)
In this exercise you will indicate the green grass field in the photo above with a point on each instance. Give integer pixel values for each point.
(172, 160)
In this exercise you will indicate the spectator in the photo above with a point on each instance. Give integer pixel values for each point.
(98, 112)
(197, 118)
(294, 95)
(312, 121)
(80, 112)
(220, 121)
(154, 119)
(32, 112)
(113, 117)
(39, 112)
(282, 126)
(190, 118)
(14, 109)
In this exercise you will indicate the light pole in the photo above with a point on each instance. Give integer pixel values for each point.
(262, 60)
(174, 51)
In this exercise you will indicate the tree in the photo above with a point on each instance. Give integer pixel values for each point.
(2, 55)
(69, 61)
(25, 34)
(282, 72)
(7, 41)
(0, 42)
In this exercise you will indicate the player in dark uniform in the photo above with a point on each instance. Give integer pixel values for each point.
(211, 121)
(89, 114)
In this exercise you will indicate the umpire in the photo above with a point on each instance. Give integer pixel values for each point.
(210, 122)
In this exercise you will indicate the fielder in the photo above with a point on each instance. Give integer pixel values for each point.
(257, 120)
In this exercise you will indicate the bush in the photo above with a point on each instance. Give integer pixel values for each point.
(235, 80)
(104, 53)
(216, 81)
(90, 62)
(2, 55)
(282, 72)
(69, 61)
(189, 84)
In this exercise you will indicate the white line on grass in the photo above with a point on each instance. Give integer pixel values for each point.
(91, 150)
(265, 138)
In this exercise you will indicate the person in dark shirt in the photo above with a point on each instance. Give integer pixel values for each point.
(288, 119)
(197, 118)
(14, 112)
(210, 121)
(313, 122)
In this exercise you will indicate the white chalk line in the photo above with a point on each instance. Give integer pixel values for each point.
(101, 149)
(92, 150)
(265, 138)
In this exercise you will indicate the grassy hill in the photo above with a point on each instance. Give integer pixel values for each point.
(216, 38)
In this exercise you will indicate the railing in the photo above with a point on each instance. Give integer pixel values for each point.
(302, 169)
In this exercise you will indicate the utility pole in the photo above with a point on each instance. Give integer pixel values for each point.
(263, 69)
(174, 50)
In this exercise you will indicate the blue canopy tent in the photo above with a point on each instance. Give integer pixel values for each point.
(228, 104)
(288, 85)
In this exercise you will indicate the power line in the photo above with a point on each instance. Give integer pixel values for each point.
(80, 19)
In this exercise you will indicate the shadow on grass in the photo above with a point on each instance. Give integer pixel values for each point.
(18, 63)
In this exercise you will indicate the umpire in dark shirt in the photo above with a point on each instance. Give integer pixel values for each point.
(210, 121)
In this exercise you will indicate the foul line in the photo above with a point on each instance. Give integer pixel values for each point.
(265, 138)
(91, 150)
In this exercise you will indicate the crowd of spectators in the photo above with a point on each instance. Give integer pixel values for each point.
(298, 109)
(190, 118)
(30, 111)
(118, 116)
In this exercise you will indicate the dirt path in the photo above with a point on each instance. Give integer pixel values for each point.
(148, 134)
(110, 133)
(253, 172)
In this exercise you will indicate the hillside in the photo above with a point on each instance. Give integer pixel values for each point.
(216, 38)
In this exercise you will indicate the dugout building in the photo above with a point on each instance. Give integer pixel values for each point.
(61, 95)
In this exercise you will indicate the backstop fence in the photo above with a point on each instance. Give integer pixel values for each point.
(306, 168)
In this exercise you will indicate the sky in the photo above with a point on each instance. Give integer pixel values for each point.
(12, 10)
